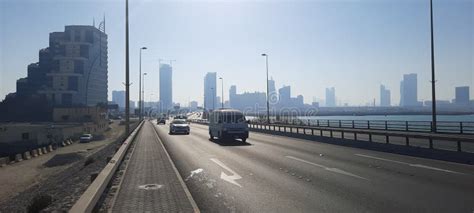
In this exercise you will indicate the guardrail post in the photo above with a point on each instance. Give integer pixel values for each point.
(459, 146)
(387, 139)
(291, 129)
(355, 136)
(368, 124)
(321, 132)
(386, 126)
(406, 125)
(309, 123)
(284, 129)
(460, 128)
(370, 137)
(407, 141)
(312, 132)
(342, 134)
(330, 132)
(431, 143)
(304, 131)
(317, 122)
(339, 123)
(329, 124)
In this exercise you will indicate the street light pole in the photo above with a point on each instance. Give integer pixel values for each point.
(222, 88)
(127, 80)
(143, 91)
(433, 79)
(140, 105)
(268, 101)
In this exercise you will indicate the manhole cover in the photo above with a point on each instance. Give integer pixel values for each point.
(150, 186)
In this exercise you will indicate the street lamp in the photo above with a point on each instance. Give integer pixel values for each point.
(140, 102)
(143, 90)
(268, 101)
(222, 88)
(433, 80)
(127, 79)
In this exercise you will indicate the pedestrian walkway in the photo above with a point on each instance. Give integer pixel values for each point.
(150, 182)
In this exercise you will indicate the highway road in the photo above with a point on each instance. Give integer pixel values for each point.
(281, 174)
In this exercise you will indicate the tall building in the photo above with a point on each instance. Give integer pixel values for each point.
(285, 96)
(118, 97)
(210, 99)
(330, 97)
(409, 90)
(272, 94)
(462, 96)
(248, 101)
(232, 95)
(384, 96)
(72, 71)
(193, 104)
(166, 89)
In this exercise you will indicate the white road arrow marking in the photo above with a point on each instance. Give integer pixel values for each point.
(409, 164)
(229, 178)
(335, 170)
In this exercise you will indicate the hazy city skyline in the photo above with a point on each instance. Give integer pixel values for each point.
(353, 46)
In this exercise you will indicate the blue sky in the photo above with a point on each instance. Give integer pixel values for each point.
(353, 45)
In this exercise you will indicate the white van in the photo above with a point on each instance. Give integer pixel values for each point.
(228, 123)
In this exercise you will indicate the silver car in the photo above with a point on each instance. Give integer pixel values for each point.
(179, 126)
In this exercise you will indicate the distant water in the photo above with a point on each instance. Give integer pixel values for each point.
(459, 118)
(463, 118)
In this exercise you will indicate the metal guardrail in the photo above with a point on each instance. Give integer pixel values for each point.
(91, 196)
(408, 126)
(407, 135)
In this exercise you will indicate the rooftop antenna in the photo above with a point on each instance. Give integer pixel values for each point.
(104, 22)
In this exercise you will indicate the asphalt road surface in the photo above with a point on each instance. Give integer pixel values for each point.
(281, 174)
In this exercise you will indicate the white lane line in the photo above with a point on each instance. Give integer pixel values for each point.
(229, 178)
(409, 164)
(335, 170)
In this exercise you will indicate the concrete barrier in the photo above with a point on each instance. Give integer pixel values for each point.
(89, 198)
(50, 148)
(26, 155)
(34, 153)
(18, 158)
(4, 161)
(44, 150)
(40, 151)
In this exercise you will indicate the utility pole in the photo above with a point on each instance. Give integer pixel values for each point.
(433, 79)
(143, 91)
(127, 80)
(140, 105)
(268, 97)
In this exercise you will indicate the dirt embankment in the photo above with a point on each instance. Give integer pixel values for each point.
(61, 178)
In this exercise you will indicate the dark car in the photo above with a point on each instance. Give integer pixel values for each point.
(161, 121)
